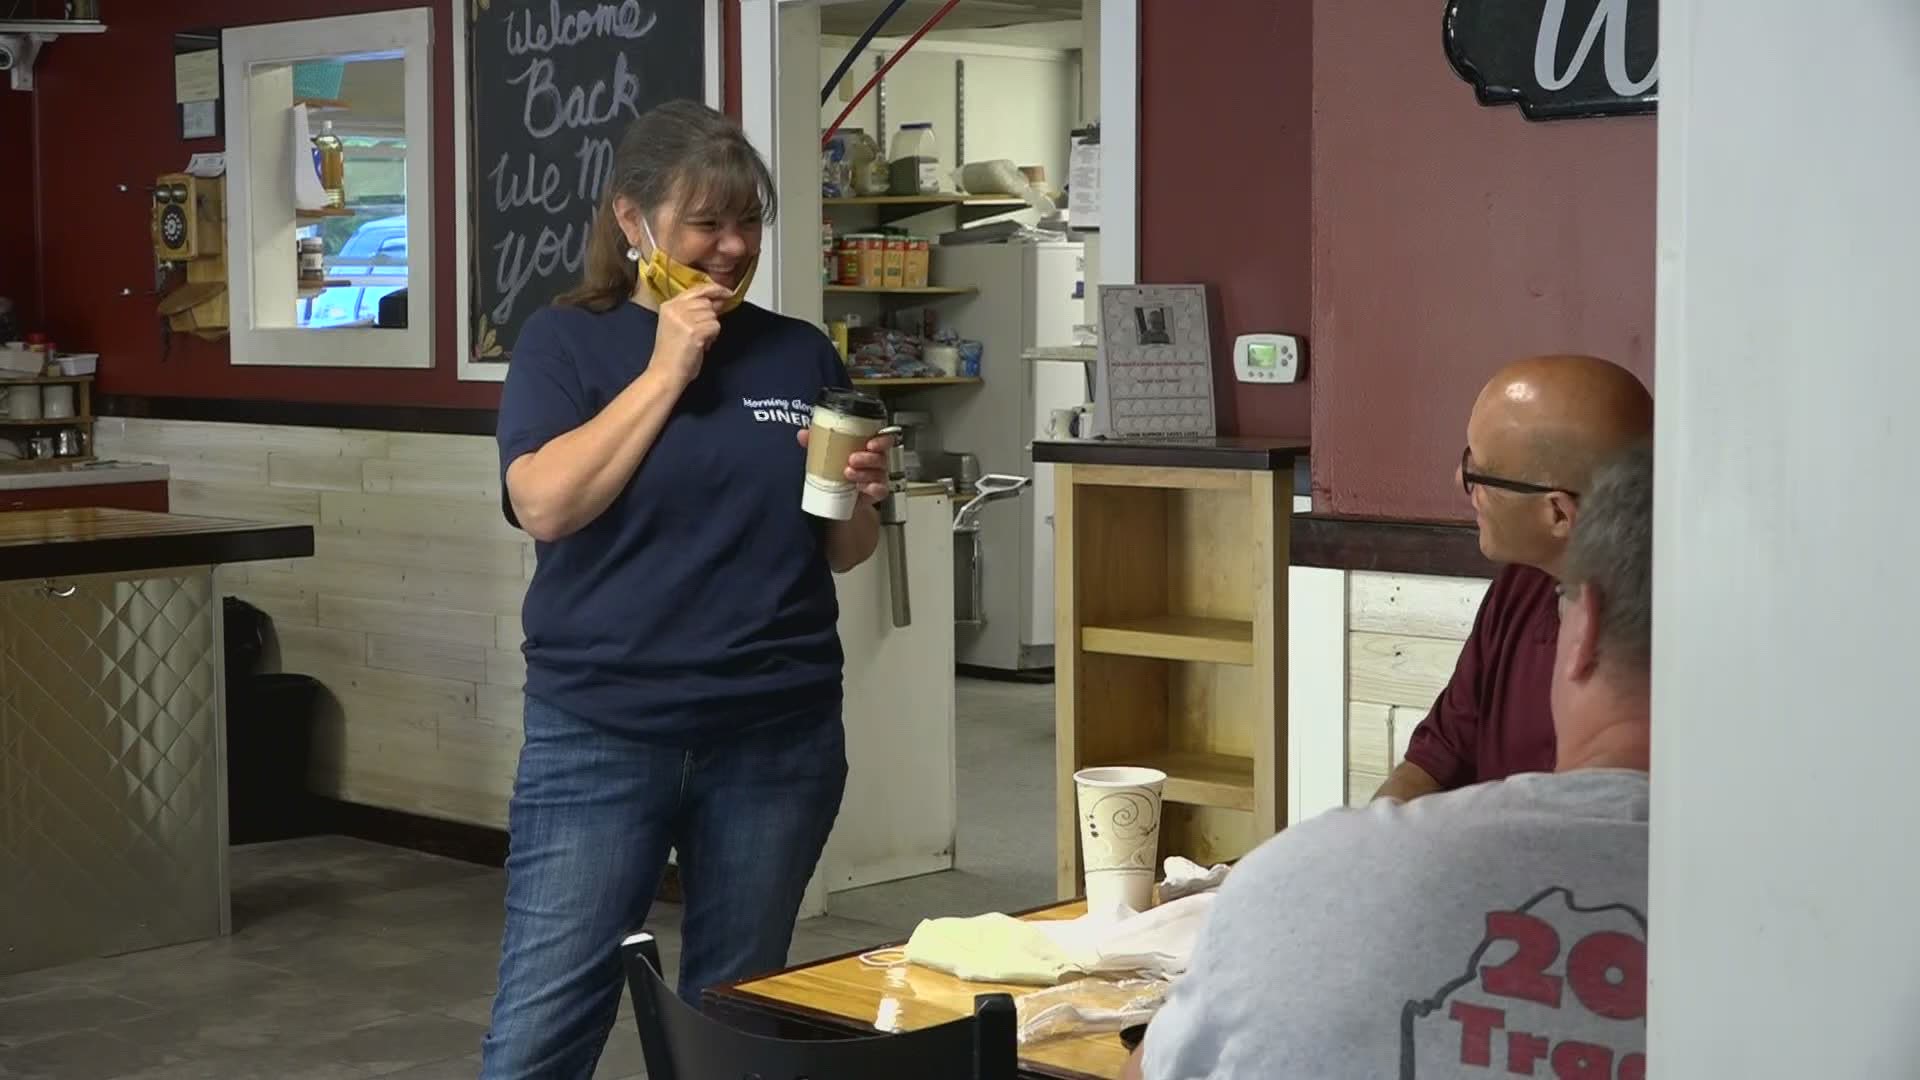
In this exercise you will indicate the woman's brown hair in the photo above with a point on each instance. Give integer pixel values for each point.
(680, 151)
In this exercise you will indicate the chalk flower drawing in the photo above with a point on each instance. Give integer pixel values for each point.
(487, 344)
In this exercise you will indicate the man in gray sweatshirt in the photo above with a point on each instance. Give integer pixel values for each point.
(1495, 931)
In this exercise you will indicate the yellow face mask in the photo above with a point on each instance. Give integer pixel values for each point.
(667, 278)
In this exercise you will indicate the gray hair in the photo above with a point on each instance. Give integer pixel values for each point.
(1612, 552)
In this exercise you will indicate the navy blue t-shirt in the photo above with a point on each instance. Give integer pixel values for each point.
(700, 601)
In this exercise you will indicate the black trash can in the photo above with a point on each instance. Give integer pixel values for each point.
(270, 724)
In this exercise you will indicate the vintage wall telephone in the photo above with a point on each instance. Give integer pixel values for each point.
(189, 230)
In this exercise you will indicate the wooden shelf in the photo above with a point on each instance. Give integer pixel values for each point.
(308, 292)
(323, 103)
(1201, 779)
(46, 380)
(1170, 603)
(1174, 637)
(322, 215)
(64, 421)
(908, 384)
(929, 290)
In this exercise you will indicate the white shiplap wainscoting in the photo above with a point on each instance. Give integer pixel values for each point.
(1404, 633)
(408, 611)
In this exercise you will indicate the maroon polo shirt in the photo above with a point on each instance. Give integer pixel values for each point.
(1494, 718)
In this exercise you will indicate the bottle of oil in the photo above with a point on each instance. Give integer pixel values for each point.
(333, 164)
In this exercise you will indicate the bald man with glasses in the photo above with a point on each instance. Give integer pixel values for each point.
(1538, 430)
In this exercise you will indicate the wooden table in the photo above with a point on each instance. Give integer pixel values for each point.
(842, 997)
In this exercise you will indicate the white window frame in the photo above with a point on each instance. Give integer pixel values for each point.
(260, 222)
(471, 370)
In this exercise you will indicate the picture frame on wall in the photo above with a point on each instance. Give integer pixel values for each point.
(197, 84)
(1155, 365)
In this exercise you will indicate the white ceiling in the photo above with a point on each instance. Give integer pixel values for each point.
(851, 18)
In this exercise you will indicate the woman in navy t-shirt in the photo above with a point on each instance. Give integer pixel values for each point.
(683, 668)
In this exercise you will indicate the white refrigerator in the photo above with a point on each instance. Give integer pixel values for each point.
(1030, 296)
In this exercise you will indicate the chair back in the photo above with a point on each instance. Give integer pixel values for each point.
(682, 1043)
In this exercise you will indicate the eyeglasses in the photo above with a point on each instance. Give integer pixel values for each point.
(1469, 478)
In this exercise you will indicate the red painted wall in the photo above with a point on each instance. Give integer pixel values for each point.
(106, 113)
(1448, 238)
(1316, 161)
(1225, 185)
(18, 256)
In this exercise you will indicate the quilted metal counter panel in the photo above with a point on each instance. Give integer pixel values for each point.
(112, 767)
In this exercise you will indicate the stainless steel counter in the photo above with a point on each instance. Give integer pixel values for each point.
(113, 831)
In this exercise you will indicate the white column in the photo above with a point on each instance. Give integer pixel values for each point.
(780, 81)
(1119, 240)
(1784, 870)
(1089, 62)
(779, 108)
(1316, 688)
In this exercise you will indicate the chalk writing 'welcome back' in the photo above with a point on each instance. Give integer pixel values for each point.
(554, 85)
(624, 20)
(556, 100)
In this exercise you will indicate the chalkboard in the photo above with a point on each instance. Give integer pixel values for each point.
(1558, 59)
(552, 85)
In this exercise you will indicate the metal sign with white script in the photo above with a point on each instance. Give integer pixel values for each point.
(1558, 59)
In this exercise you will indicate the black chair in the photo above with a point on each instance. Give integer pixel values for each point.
(682, 1043)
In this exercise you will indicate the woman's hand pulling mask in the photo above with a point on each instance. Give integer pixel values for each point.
(688, 324)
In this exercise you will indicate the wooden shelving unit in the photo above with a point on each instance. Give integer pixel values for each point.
(19, 428)
(1171, 638)
(917, 383)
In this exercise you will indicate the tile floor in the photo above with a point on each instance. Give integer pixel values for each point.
(352, 960)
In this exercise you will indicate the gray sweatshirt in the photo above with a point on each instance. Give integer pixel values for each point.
(1495, 931)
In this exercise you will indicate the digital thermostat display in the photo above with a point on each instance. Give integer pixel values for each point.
(1266, 358)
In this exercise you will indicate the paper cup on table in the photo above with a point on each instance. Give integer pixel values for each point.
(843, 422)
(1119, 834)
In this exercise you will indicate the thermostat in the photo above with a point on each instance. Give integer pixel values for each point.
(1266, 358)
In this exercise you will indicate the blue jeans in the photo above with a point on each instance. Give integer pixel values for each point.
(593, 816)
